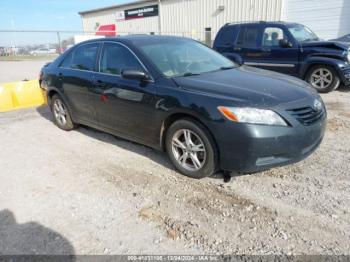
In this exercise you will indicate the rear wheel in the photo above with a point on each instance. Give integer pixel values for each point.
(323, 78)
(61, 114)
(191, 148)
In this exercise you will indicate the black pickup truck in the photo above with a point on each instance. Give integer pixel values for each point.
(288, 48)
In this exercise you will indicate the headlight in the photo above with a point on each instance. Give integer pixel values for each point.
(252, 115)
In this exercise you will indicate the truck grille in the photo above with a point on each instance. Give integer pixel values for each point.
(307, 115)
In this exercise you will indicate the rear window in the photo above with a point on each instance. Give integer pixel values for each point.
(248, 36)
(227, 35)
(82, 58)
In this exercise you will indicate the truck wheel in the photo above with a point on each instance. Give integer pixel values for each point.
(323, 78)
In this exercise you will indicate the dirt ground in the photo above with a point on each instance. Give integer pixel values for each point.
(87, 192)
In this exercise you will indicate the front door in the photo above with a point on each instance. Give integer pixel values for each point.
(126, 106)
(276, 57)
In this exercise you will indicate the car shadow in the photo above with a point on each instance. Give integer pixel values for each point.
(155, 155)
(343, 89)
(31, 238)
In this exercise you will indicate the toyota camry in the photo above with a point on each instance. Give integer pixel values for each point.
(177, 95)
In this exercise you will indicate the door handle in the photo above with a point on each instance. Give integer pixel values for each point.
(267, 50)
(237, 48)
(100, 84)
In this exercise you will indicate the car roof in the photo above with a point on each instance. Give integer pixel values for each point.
(261, 22)
(140, 38)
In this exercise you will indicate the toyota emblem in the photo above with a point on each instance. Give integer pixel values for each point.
(317, 105)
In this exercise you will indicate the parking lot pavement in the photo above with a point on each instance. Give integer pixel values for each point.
(88, 192)
(20, 70)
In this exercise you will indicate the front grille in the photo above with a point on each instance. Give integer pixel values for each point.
(306, 115)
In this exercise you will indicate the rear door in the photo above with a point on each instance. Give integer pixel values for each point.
(76, 74)
(275, 57)
(247, 44)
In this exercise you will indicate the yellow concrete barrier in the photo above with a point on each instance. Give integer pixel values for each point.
(21, 94)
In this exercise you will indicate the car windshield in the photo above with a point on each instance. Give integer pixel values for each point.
(302, 33)
(184, 58)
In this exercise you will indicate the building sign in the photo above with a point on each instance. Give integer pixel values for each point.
(119, 15)
(146, 11)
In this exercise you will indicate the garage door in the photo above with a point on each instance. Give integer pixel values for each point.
(328, 19)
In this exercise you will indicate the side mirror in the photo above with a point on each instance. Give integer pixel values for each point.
(234, 60)
(134, 74)
(284, 43)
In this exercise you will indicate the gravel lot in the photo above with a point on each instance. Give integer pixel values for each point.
(87, 192)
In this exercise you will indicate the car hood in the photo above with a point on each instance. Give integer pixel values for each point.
(251, 86)
(345, 38)
(327, 44)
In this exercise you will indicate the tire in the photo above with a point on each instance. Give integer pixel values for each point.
(60, 110)
(323, 78)
(199, 135)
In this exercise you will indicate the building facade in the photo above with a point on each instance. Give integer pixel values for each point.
(329, 19)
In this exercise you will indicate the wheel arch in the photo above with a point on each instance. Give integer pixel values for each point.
(321, 61)
(50, 94)
(172, 118)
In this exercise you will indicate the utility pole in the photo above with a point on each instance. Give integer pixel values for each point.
(14, 36)
(59, 42)
(159, 18)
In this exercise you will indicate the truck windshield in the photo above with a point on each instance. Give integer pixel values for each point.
(302, 33)
(185, 58)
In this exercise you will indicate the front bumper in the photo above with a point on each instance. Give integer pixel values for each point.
(344, 74)
(249, 148)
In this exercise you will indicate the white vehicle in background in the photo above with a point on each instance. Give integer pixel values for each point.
(81, 38)
(43, 51)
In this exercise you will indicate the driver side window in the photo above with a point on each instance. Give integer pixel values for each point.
(116, 58)
(272, 37)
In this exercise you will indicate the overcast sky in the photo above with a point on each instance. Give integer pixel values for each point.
(43, 15)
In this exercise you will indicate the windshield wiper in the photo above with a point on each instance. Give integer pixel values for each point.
(226, 67)
(190, 74)
(309, 40)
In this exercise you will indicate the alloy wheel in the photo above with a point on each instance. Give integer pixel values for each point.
(60, 112)
(188, 149)
(321, 78)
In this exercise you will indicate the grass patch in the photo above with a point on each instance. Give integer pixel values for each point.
(27, 57)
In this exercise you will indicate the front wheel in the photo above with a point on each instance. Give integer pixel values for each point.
(323, 78)
(191, 148)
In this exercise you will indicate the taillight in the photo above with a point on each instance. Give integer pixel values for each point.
(41, 75)
(41, 79)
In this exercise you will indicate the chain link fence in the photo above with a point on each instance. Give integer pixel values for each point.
(34, 45)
